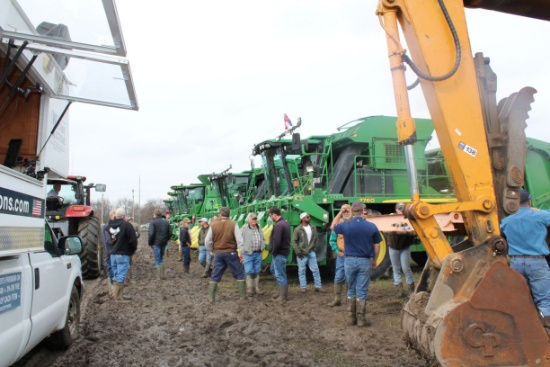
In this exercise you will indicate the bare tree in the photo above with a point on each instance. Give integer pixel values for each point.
(149, 208)
(102, 207)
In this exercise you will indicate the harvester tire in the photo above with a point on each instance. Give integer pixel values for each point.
(91, 256)
(383, 262)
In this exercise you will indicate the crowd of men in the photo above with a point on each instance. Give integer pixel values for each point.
(354, 240)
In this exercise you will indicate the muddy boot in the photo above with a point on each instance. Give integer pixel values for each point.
(352, 311)
(203, 265)
(186, 269)
(161, 271)
(255, 283)
(128, 279)
(283, 294)
(338, 287)
(119, 297)
(249, 286)
(411, 288)
(399, 293)
(361, 313)
(320, 290)
(157, 269)
(206, 270)
(111, 287)
(212, 288)
(241, 286)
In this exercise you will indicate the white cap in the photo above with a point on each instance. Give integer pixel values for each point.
(203, 220)
(303, 215)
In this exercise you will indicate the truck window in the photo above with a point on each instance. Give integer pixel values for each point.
(49, 242)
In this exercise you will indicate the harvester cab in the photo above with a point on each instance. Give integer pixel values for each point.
(69, 212)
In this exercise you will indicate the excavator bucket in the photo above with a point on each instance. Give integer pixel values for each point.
(475, 311)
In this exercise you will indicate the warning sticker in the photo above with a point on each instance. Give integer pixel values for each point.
(468, 149)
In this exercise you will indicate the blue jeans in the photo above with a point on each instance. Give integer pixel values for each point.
(401, 260)
(537, 274)
(311, 261)
(339, 273)
(222, 260)
(252, 263)
(278, 269)
(358, 271)
(120, 265)
(158, 251)
(186, 254)
(204, 256)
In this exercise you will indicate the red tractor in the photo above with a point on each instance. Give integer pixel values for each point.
(69, 212)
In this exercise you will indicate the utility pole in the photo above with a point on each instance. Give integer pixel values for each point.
(139, 199)
(133, 204)
(102, 208)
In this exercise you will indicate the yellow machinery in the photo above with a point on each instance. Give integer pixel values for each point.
(470, 308)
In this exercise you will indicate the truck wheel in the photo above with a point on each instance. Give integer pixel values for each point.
(383, 261)
(63, 338)
(91, 256)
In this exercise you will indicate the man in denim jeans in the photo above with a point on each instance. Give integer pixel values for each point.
(279, 247)
(123, 245)
(251, 251)
(362, 244)
(304, 243)
(526, 232)
(223, 238)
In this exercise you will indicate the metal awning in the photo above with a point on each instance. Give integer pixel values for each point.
(77, 45)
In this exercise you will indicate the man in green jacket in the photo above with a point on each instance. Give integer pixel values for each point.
(304, 242)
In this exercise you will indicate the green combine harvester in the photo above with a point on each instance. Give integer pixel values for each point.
(361, 161)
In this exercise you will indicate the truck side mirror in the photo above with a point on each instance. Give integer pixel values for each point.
(72, 245)
(100, 187)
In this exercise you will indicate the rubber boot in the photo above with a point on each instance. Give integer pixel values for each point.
(212, 288)
(203, 264)
(256, 283)
(186, 269)
(241, 286)
(206, 270)
(352, 311)
(128, 279)
(119, 290)
(399, 293)
(361, 313)
(249, 286)
(283, 294)
(338, 287)
(111, 287)
(157, 268)
(161, 271)
(411, 288)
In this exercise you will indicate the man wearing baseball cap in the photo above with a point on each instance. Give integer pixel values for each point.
(304, 242)
(526, 232)
(204, 256)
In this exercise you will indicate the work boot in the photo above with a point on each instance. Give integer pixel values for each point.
(119, 297)
(206, 272)
(157, 268)
(399, 293)
(361, 313)
(212, 288)
(352, 311)
(203, 264)
(320, 290)
(255, 283)
(161, 271)
(411, 288)
(128, 279)
(337, 294)
(241, 286)
(186, 269)
(249, 286)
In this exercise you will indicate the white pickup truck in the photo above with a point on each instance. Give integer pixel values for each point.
(40, 276)
(53, 53)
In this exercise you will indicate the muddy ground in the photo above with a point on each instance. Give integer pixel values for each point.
(171, 323)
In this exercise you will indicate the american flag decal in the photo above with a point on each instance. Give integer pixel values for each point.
(36, 208)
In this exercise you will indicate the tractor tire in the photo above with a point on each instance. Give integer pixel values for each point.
(62, 339)
(383, 262)
(91, 256)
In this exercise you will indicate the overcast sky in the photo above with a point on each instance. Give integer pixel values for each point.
(215, 77)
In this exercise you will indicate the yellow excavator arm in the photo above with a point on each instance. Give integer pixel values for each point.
(469, 308)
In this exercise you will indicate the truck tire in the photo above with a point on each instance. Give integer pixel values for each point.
(91, 256)
(62, 339)
(383, 262)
